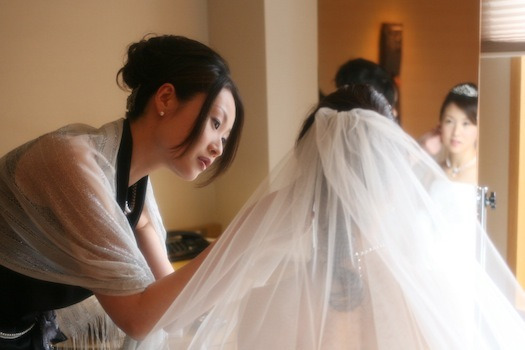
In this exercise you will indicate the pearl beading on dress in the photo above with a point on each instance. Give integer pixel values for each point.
(359, 255)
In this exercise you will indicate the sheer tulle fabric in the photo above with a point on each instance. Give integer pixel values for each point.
(61, 222)
(356, 241)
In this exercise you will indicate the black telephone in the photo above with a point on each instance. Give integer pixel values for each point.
(184, 245)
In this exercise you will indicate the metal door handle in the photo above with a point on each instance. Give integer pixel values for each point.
(490, 200)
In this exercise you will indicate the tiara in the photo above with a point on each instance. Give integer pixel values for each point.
(465, 90)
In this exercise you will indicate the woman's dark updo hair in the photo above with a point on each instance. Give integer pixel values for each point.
(465, 96)
(349, 97)
(192, 68)
(362, 71)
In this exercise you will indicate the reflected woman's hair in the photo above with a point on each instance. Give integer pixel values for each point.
(465, 96)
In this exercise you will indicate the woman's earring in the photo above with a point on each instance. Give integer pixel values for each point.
(161, 113)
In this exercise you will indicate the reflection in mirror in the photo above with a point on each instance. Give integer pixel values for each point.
(454, 142)
(437, 52)
(440, 48)
(458, 132)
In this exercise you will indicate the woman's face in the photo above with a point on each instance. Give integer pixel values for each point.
(458, 133)
(210, 144)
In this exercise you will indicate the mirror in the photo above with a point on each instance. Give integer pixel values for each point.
(440, 48)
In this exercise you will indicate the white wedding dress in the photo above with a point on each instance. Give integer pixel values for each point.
(356, 241)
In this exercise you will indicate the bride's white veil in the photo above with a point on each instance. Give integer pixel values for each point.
(356, 241)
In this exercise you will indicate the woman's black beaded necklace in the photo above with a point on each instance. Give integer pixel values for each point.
(131, 200)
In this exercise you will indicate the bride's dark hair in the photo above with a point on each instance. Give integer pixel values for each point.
(349, 97)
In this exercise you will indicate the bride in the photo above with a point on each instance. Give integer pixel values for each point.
(459, 133)
(357, 240)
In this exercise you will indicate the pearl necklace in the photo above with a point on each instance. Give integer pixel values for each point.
(457, 170)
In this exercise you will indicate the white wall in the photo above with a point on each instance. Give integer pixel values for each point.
(237, 29)
(291, 54)
(59, 58)
(272, 52)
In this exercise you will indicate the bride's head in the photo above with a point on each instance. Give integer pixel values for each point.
(350, 97)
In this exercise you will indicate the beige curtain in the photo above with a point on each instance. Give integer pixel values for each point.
(502, 25)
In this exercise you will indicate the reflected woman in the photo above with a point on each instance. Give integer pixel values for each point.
(459, 133)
